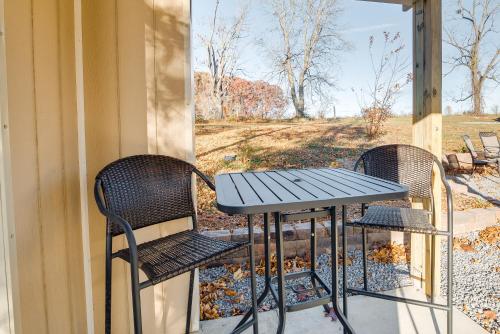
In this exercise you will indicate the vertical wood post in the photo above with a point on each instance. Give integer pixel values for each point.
(427, 124)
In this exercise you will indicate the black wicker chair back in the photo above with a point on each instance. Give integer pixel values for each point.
(404, 164)
(147, 189)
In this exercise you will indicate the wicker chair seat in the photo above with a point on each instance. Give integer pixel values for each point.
(396, 219)
(167, 257)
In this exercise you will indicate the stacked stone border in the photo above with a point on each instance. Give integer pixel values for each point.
(297, 236)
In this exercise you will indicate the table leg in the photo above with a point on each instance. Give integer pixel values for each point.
(344, 262)
(313, 258)
(365, 251)
(335, 281)
(267, 274)
(253, 281)
(267, 256)
(281, 275)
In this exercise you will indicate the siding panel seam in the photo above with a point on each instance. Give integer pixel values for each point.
(37, 167)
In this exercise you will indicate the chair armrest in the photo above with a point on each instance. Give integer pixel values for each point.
(119, 221)
(449, 196)
(205, 178)
(126, 228)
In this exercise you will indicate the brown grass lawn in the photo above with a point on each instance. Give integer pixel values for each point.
(286, 144)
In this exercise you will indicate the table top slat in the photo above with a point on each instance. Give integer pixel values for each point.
(341, 187)
(317, 190)
(369, 186)
(360, 184)
(368, 178)
(266, 193)
(294, 188)
(247, 193)
(226, 191)
(282, 191)
(300, 189)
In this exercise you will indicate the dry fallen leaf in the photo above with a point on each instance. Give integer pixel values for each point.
(290, 265)
(238, 274)
(230, 293)
(490, 315)
(236, 311)
(490, 235)
(467, 248)
(463, 244)
(390, 253)
(209, 311)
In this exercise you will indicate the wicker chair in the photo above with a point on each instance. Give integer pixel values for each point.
(144, 190)
(410, 166)
(478, 158)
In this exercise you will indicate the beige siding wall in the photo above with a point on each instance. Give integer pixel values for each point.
(128, 93)
(137, 88)
(44, 166)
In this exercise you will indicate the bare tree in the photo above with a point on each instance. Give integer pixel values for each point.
(390, 76)
(470, 40)
(304, 52)
(222, 45)
(495, 110)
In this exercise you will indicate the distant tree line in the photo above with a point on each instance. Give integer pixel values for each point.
(242, 99)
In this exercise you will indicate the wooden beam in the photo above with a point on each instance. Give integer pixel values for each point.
(427, 124)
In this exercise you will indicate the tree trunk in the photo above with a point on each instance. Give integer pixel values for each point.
(298, 102)
(477, 98)
(476, 85)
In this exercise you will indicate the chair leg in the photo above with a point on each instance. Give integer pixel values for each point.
(136, 296)
(253, 281)
(450, 285)
(107, 321)
(344, 262)
(190, 301)
(365, 257)
(433, 267)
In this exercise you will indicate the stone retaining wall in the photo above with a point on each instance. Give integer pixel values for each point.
(297, 236)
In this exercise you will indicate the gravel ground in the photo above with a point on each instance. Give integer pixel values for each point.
(485, 185)
(476, 282)
(381, 277)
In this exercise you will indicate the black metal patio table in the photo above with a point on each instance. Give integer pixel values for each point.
(299, 194)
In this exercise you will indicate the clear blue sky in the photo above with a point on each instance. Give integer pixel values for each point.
(358, 21)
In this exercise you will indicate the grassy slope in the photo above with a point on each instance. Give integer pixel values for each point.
(286, 144)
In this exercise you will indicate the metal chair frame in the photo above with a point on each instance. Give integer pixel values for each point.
(478, 158)
(448, 234)
(118, 225)
(491, 153)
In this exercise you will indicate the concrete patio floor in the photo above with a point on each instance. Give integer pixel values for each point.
(367, 315)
